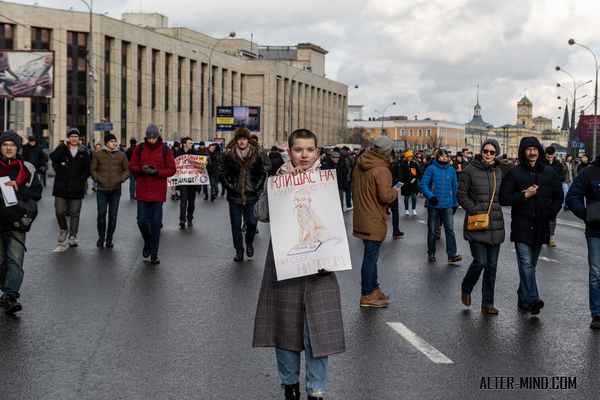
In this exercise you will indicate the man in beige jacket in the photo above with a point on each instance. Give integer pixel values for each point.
(372, 191)
(109, 170)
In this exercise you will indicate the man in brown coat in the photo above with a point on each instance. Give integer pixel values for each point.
(109, 169)
(372, 191)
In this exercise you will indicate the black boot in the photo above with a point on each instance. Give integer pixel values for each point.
(314, 398)
(292, 392)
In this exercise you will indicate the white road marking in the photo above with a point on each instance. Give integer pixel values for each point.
(62, 247)
(423, 222)
(431, 352)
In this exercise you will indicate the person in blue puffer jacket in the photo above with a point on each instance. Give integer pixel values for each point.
(439, 186)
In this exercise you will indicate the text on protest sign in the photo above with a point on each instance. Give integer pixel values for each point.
(191, 170)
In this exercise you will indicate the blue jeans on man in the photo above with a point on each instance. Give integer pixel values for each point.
(485, 257)
(235, 215)
(527, 258)
(414, 201)
(187, 203)
(132, 180)
(288, 364)
(107, 199)
(593, 244)
(446, 215)
(149, 219)
(12, 253)
(42, 177)
(368, 269)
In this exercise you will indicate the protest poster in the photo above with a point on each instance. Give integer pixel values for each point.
(307, 224)
(191, 170)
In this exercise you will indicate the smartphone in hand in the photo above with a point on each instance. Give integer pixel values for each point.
(399, 185)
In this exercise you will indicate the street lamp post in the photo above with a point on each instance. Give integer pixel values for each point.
(572, 42)
(210, 106)
(573, 96)
(91, 75)
(304, 68)
(383, 115)
(343, 126)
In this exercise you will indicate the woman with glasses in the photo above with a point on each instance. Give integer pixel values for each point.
(478, 193)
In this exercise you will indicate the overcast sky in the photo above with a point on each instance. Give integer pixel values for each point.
(426, 55)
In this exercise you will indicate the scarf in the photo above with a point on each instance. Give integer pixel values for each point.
(243, 153)
(288, 166)
(21, 176)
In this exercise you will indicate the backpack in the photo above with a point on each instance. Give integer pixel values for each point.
(165, 147)
(20, 216)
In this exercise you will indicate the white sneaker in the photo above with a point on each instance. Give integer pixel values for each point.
(63, 235)
(414, 212)
(349, 208)
(72, 241)
(406, 212)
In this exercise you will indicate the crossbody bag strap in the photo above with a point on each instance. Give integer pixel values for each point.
(493, 194)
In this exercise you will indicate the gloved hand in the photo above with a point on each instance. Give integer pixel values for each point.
(153, 170)
(147, 170)
(433, 201)
(323, 273)
(454, 210)
(42, 169)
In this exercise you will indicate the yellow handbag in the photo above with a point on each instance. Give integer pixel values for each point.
(480, 222)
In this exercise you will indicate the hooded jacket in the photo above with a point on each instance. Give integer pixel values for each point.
(584, 187)
(530, 218)
(71, 172)
(243, 178)
(439, 181)
(152, 188)
(474, 193)
(372, 191)
(109, 169)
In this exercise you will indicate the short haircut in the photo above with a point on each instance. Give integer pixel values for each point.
(569, 155)
(504, 156)
(185, 139)
(254, 137)
(465, 149)
(550, 150)
(301, 134)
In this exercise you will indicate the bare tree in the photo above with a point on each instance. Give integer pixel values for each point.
(358, 136)
(433, 141)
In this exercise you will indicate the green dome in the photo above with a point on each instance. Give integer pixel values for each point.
(524, 100)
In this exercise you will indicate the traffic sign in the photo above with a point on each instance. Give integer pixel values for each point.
(103, 126)
(574, 143)
(581, 146)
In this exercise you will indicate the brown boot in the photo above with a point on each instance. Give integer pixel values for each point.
(380, 295)
(551, 244)
(371, 301)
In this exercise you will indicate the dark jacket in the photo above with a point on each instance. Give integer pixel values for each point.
(504, 166)
(474, 193)
(531, 217)
(341, 172)
(71, 172)
(243, 179)
(31, 189)
(582, 165)
(459, 167)
(557, 167)
(407, 175)
(584, 187)
(396, 170)
(276, 162)
(34, 155)
(349, 161)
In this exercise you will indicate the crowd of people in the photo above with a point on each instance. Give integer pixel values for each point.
(304, 314)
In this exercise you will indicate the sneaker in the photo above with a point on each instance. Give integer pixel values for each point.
(380, 295)
(431, 258)
(154, 259)
(397, 234)
(595, 322)
(454, 258)
(349, 208)
(146, 250)
(73, 241)
(489, 310)
(100, 242)
(63, 235)
(11, 305)
(372, 301)
(414, 212)
(406, 212)
(182, 224)
(536, 306)
(465, 297)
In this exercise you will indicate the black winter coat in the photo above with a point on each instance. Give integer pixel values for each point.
(244, 191)
(531, 217)
(397, 175)
(341, 172)
(71, 172)
(474, 192)
(557, 167)
(407, 173)
(276, 162)
(34, 155)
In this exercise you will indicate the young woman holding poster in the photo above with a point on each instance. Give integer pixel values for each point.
(286, 316)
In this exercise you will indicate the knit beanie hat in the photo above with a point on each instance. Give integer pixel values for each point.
(152, 131)
(176, 144)
(11, 136)
(441, 152)
(383, 144)
(408, 154)
(493, 143)
(73, 131)
(132, 141)
(108, 137)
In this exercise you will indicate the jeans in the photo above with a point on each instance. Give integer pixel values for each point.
(111, 199)
(594, 261)
(42, 177)
(349, 194)
(150, 213)
(434, 215)
(368, 269)
(288, 364)
(60, 207)
(213, 186)
(527, 258)
(11, 263)
(341, 192)
(132, 180)
(187, 203)
(485, 257)
(414, 201)
(235, 215)
(395, 215)
(566, 187)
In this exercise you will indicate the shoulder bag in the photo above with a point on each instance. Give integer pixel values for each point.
(480, 222)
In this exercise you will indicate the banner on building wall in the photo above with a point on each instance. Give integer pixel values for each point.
(26, 73)
(307, 224)
(586, 127)
(232, 118)
(191, 170)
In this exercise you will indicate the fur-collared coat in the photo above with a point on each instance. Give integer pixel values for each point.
(243, 178)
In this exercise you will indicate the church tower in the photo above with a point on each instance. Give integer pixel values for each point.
(525, 113)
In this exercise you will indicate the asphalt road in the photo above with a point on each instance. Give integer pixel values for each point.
(102, 323)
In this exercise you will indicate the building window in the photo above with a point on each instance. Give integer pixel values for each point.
(40, 39)
(410, 132)
(419, 132)
(6, 36)
(167, 63)
(154, 61)
(383, 131)
(202, 88)
(402, 132)
(124, 46)
(179, 67)
(371, 130)
(428, 133)
(419, 146)
(139, 74)
(77, 73)
(192, 68)
(107, 72)
(411, 146)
